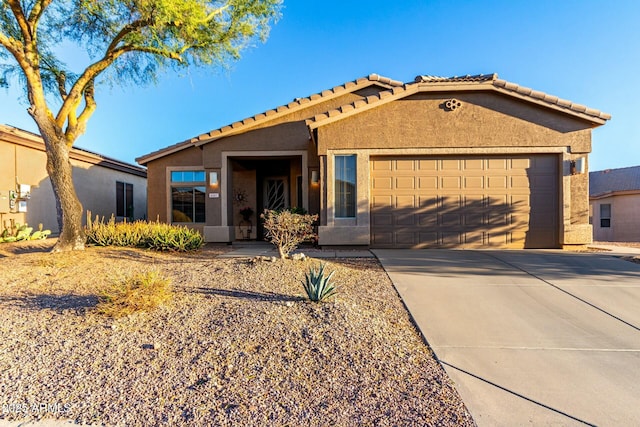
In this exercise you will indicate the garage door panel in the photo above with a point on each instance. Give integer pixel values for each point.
(405, 165)
(428, 220)
(379, 203)
(450, 164)
(408, 218)
(497, 182)
(405, 238)
(404, 202)
(379, 219)
(465, 202)
(428, 182)
(382, 238)
(474, 164)
(383, 183)
(428, 165)
(544, 182)
(406, 183)
(522, 164)
(474, 182)
(451, 182)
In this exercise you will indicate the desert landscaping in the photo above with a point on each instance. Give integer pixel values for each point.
(238, 343)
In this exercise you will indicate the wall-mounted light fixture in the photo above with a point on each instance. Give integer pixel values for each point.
(578, 166)
(315, 178)
(213, 179)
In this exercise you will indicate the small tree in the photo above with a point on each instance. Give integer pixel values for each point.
(126, 40)
(286, 230)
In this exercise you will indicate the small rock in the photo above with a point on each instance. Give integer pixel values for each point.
(289, 304)
(148, 347)
(298, 257)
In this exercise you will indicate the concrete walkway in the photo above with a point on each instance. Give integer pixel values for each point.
(529, 337)
(266, 249)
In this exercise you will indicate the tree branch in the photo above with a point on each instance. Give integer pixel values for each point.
(37, 11)
(92, 71)
(16, 8)
(87, 112)
(127, 29)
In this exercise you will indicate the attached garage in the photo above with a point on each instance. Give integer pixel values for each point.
(472, 201)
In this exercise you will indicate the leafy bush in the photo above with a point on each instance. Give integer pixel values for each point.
(317, 286)
(286, 230)
(139, 292)
(142, 234)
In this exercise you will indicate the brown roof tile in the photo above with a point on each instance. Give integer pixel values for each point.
(479, 81)
(396, 90)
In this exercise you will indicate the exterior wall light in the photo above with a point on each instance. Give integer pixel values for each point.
(213, 179)
(578, 166)
(315, 178)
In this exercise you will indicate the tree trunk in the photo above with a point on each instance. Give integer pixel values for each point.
(69, 208)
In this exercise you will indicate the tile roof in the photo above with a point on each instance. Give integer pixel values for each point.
(468, 82)
(609, 181)
(256, 120)
(296, 104)
(395, 90)
(467, 78)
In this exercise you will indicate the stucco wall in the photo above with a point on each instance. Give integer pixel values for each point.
(625, 219)
(95, 186)
(483, 120)
(285, 133)
(157, 180)
(486, 123)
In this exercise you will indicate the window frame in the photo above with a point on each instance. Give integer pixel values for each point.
(346, 174)
(605, 219)
(195, 216)
(125, 205)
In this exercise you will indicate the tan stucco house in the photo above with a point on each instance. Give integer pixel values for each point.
(105, 186)
(614, 203)
(471, 161)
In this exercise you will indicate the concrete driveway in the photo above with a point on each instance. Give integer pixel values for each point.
(529, 337)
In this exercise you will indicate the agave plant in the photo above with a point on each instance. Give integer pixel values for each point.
(317, 286)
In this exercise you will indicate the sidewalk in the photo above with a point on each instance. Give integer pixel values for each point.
(617, 250)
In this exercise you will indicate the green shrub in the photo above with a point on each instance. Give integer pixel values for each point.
(139, 292)
(16, 232)
(317, 286)
(142, 234)
(286, 230)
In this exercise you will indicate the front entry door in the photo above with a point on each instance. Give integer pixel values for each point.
(275, 193)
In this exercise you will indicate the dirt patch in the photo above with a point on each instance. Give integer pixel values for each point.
(238, 345)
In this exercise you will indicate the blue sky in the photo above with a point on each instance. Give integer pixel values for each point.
(585, 51)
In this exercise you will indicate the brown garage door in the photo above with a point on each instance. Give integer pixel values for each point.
(419, 202)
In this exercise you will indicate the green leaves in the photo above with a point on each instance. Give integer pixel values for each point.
(142, 234)
(317, 286)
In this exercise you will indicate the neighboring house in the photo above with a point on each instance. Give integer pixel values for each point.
(104, 186)
(614, 204)
(470, 161)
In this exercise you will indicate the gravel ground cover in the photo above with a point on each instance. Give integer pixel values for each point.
(238, 345)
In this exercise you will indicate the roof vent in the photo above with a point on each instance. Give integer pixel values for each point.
(452, 104)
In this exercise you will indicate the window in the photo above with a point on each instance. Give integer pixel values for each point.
(345, 172)
(188, 191)
(124, 199)
(187, 176)
(605, 215)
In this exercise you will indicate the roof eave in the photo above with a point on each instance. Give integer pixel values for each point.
(251, 122)
(539, 98)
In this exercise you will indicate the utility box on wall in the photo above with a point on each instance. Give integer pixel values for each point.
(7, 201)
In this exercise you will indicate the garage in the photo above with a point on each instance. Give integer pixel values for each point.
(471, 201)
